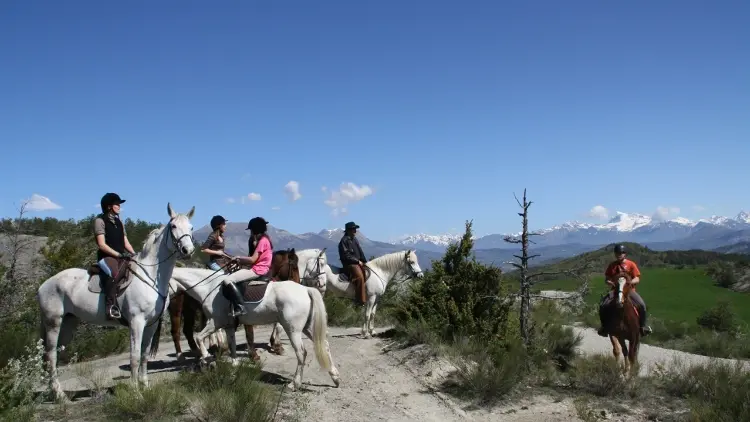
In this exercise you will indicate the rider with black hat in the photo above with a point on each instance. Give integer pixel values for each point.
(112, 241)
(622, 265)
(214, 244)
(353, 260)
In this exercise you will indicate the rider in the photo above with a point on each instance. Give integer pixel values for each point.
(260, 255)
(353, 260)
(214, 244)
(111, 239)
(623, 265)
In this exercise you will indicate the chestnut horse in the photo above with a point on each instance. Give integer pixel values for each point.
(284, 266)
(624, 324)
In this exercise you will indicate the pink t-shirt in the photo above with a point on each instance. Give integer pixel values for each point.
(265, 255)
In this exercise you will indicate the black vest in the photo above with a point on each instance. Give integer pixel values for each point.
(114, 236)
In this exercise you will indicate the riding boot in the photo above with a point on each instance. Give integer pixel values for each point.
(110, 296)
(645, 329)
(236, 299)
(602, 329)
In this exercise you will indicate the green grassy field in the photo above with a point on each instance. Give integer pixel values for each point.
(677, 295)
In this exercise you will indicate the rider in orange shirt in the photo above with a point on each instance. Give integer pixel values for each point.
(622, 264)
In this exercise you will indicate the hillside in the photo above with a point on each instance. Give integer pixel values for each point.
(645, 258)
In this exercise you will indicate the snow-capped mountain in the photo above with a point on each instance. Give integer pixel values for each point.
(436, 243)
(622, 227)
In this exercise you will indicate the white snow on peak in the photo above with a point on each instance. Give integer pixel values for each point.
(624, 222)
(331, 233)
(743, 217)
(440, 239)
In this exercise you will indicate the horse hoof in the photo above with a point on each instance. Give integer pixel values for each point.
(336, 382)
(291, 386)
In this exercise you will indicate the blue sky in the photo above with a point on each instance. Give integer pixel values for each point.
(442, 109)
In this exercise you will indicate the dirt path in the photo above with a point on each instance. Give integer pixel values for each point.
(375, 385)
(650, 357)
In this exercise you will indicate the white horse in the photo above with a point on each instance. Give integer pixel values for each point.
(318, 282)
(298, 308)
(64, 299)
(380, 271)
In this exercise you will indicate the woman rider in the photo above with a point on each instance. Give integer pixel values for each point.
(214, 244)
(111, 241)
(260, 255)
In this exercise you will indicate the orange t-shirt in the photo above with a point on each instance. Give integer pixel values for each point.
(627, 266)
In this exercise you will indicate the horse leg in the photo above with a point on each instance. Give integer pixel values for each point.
(200, 338)
(276, 340)
(175, 308)
(148, 334)
(366, 331)
(189, 313)
(250, 336)
(372, 317)
(137, 326)
(50, 327)
(615, 347)
(635, 344)
(295, 338)
(625, 357)
(333, 372)
(67, 329)
(232, 344)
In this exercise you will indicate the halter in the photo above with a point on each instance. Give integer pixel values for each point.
(176, 244)
(412, 274)
(318, 269)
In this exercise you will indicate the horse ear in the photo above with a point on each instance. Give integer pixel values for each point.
(191, 213)
(291, 250)
(170, 211)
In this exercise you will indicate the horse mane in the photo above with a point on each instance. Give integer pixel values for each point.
(152, 236)
(390, 262)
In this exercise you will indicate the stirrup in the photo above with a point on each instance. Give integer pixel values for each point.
(114, 312)
(238, 310)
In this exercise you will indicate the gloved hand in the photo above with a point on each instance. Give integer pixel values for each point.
(126, 255)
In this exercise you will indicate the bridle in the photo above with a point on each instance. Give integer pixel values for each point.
(176, 243)
(410, 275)
(318, 271)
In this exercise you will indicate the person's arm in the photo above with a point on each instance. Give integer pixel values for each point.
(607, 276)
(346, 251)
(254, 257)
(636, 274)
(128, 247)
(208, 244)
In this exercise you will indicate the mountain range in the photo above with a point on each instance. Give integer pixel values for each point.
(554, 243)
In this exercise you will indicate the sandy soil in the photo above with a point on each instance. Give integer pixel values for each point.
(377, 383)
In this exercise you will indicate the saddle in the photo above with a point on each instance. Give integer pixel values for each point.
(252, 291)
(121, 274)
(343, 273)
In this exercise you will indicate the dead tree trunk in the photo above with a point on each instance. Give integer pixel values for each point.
(523, 267)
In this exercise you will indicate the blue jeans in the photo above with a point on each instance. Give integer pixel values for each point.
(103, 265)
(214, 266)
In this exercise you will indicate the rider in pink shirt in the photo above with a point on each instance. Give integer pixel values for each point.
(260, 255)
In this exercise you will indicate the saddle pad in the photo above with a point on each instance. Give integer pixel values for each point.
(255, 291)
(344, 278)
(95, 284)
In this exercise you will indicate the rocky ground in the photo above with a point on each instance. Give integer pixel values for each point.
(377, 382)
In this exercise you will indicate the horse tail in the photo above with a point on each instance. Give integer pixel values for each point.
(155, 339)
(320, 327)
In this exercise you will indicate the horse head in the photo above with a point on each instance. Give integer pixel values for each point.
(315, 269)
(181, 231)
(413, 263)
(623, 287)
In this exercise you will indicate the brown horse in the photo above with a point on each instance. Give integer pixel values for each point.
(185, 309)
(624, 324)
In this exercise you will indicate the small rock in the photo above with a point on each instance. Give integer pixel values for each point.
(524, 407)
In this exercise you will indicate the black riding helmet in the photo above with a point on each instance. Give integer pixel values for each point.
(619, 249)
(110, 199)
(217, 221)
(257, 225)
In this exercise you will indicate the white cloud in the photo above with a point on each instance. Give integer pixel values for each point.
(40, 203)
(253, 196)
(231, 200)
(292, 190)
(663, 213)
(348, 193)
(275, 208)
(599, 212)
